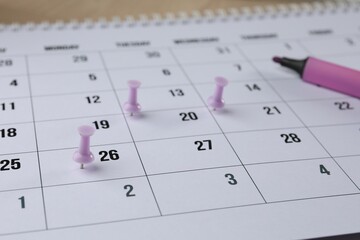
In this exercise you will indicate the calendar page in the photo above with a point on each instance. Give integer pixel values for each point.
(280, 160)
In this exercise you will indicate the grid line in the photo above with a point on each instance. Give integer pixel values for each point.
(134, 142)
(252, 180)
(307, 127)
(37, 146)
(127, 124)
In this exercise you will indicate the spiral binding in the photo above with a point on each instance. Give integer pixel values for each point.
(197, 17)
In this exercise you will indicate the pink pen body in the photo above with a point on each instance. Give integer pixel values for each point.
(332, 76)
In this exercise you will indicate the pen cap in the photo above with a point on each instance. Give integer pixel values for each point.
(332, 76)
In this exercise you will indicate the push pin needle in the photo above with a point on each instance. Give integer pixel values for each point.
(216, 101)
(83, 155)
(132, 104)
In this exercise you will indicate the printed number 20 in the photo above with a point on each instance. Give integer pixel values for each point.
(188, 116)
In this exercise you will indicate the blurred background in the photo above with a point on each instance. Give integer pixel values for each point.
(22, 11)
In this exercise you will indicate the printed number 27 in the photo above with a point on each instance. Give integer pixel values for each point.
(203, 145)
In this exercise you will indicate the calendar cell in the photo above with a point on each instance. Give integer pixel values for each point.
(149, 77)
(19, 171)
(271, 71)
(21, 210)
(337, 111)
(175, 123)
(75, 105)
(182, 154)
(351, 166)
(295, 90)
(300, 180)
(97, 202)
(332, 46)
(203, 190)
(111, 162)
(138, 58)
(166, 98)
(264, 51)
(244, 92)
(50, 84)
(232, 71)
(15, 111)
(17, 138)
(13, 87)
(10, 65)
(64, 62)
(271, 115)
(208, 54)
(63, 134)
(339, 140)
(279, 145)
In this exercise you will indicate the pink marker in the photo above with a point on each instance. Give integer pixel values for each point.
(83, 155)
(132, 104)
(216, 101)
(329, 75)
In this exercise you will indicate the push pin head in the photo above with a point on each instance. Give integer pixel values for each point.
(132, 106)
(83, 155)
(216, 101)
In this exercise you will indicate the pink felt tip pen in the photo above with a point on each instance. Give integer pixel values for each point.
(325, 74)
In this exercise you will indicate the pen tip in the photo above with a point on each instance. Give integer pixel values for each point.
(277, 59)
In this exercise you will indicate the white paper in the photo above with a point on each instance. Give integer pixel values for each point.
(280, 161)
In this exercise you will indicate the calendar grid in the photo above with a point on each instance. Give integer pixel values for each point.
(180, 171)
(183, 213)
(192, 84)
(36, 143)
(298, 117)
(239, 131)
(170, 176)
(192, 170)
(348, 54)
(180, 85)
(133, 140)
(322, 143)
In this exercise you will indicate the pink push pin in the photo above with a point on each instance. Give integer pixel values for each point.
(83, 155)
(216, 101)
(132, 104)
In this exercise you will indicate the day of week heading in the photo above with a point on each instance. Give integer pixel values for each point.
(61, 47)
(259, 36)
(321, 32)
(133, 44)
(196, 40)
